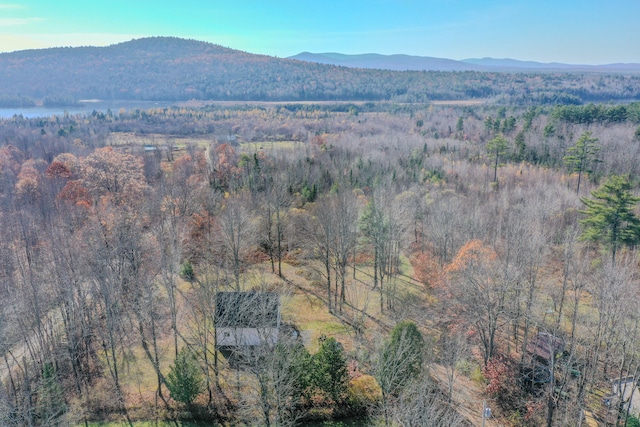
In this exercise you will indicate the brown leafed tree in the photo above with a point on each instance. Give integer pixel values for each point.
(114, 175)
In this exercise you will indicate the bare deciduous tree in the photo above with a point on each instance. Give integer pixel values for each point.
(422, 404)
(236, 234)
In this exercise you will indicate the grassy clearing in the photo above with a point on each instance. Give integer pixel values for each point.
(252, 147)
(303, 303)
(309, 312)
(132, 139)
(461, 102)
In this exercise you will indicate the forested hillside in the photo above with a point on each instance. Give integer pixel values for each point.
(168, 69)
(425, 258)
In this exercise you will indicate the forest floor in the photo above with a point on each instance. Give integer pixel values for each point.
(18, 351)
(467, 397)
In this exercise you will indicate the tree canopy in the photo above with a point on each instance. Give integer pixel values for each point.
(496, 150)
(329, 373)
(609, 216)
(582, 156)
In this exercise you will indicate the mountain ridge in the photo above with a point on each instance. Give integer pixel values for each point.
(396, 62)
(175, 69)
(428, 63)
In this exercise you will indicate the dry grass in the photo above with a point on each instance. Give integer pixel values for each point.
(252, 147)
(200, 104)
(133, 139)
(305, 306)
(461, 102)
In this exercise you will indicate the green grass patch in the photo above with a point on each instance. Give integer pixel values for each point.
(326, 328)
(331, 329)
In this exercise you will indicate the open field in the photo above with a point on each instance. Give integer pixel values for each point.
(461, 102)
(133, 139)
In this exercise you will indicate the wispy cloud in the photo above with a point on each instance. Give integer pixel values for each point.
(10, 6)
(10, 22)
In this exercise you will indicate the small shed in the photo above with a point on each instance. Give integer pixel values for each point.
(545, 345)
(246, 321)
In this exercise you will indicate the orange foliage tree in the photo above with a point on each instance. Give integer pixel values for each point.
(58, 170)
(28, 185)
(75, 193)
(476, 294)
(426, 269)
(225, 166)
(10, 160)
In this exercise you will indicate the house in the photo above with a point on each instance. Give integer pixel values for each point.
(246, 321)
(625, 396)
(545, 345)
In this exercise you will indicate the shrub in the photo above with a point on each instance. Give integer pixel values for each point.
(502, 380)
(633, 421)
(467, 367)
(51, 404)
(186, 271)
(363, 392)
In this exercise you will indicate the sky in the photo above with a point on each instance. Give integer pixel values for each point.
(569, 31)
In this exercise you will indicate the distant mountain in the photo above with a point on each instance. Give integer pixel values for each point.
(169, 68)
(516, 65)
(174, 69)
(388, 62)
(509, 64)
(426, 63)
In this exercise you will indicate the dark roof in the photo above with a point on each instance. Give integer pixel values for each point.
(542, 344)
(247, 309)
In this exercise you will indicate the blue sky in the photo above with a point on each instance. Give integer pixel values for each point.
(571, 31)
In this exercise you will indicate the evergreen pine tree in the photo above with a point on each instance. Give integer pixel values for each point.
(610, 216)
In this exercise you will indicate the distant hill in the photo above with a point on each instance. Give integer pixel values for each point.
(427, 63)
(388, 62)
(174, 69)
(508, 64)
(168, 68)
(516, 65)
